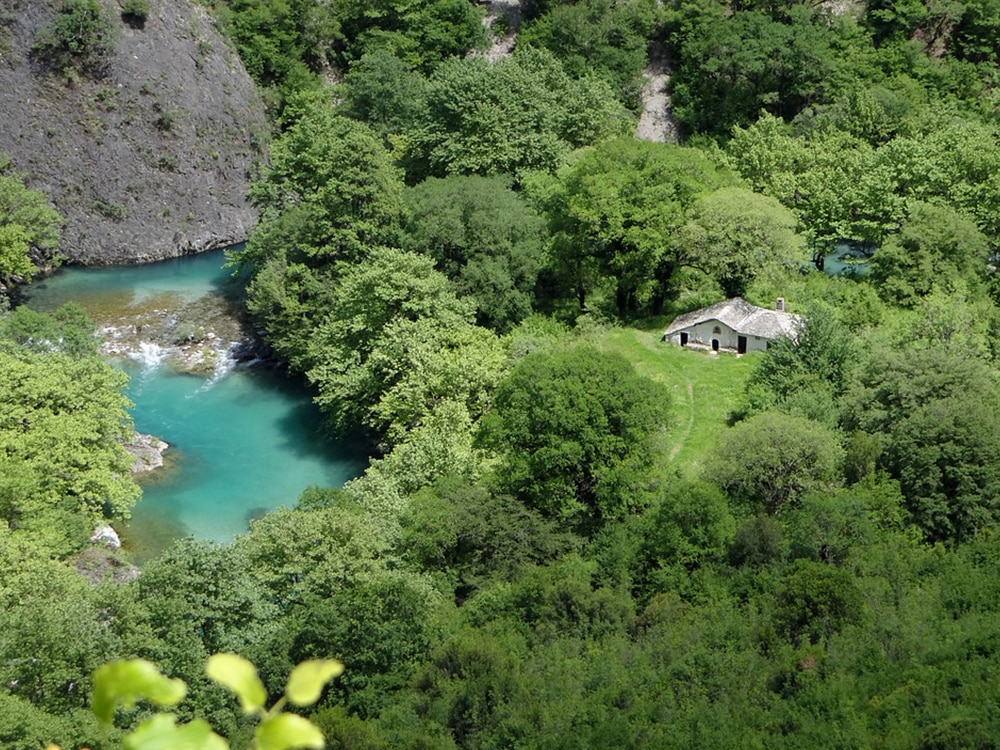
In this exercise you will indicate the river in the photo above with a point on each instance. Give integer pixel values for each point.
(244, 439)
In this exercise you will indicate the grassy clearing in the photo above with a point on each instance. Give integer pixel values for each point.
(705, 388)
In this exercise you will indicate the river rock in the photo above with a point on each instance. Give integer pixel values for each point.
(101, 564)
(149, 160)
(148, 452)
(105, 536)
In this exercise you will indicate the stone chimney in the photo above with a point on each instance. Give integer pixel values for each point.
(779, 305)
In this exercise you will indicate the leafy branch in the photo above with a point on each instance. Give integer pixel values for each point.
(123, 683)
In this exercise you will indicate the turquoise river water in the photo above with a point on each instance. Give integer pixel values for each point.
(243, 441)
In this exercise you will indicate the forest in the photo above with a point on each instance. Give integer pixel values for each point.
(571, 534)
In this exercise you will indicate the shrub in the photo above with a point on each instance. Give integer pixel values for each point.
(188, 333)
(82, 37)
(167, 163)
(115, 211)
(135, 12)
(166, 120)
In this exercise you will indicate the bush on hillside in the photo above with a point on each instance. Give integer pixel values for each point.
(82, 37)
(135, 13)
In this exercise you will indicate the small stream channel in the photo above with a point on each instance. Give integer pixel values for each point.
(244, 439)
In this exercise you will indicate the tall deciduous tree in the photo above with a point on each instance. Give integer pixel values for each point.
(814, 600)
(577, 434)
(338, 167)
(772, 459)
(618, 208)
(421, 32)
(66, 330)
(937, 247)
(385, 92)
(382, 628)
(806, 373)
(395, 343)
(521, 113)
(484, 238)
(470, 534)
(330, 194)
(282, 43)
(28, 226)
(836, 184)
(938, 414)
(733, 234)
(953, 162)
(692, 525)
(63, 426)
(610, 38)
(731, 65)
(54, 633)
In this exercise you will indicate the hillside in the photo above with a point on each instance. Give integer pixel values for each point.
(151, 158)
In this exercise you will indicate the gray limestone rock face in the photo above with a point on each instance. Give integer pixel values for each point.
(152, 159)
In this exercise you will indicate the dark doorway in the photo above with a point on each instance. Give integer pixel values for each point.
(741, 344)
(715, 345)
(684, 338)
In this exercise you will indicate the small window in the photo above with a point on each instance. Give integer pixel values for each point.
(717, 330)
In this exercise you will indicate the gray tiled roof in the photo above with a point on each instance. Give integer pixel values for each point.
(742, 317)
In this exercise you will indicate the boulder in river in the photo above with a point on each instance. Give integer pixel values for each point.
(148, 452)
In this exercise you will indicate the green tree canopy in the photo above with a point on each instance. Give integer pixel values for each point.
(691, 526)
(330, 194)
(308, 554)
(282, 43)
(204, 599)
(937, 247)
(577, 435)
(815, 600)
(63, 427)
(617, 210)
(472, 535)
(806, 373)
(837, 184)
(731, 65)
(338, 167)
(382, 628)
(938, 415)
(733, 234)
(66, 330)
(53, 632)
(422, 33)
(385, 92)
(768, 462)
(395, 343)
(609, 38)
(29, 227)
(482, 236)
(521, 113)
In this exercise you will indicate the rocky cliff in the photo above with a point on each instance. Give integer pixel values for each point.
(149, 158)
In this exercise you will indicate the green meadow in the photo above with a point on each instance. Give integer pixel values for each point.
(706, 388)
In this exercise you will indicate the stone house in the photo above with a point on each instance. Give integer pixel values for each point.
(733, 325)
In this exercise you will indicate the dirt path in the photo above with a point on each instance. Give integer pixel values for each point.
(690, 423)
